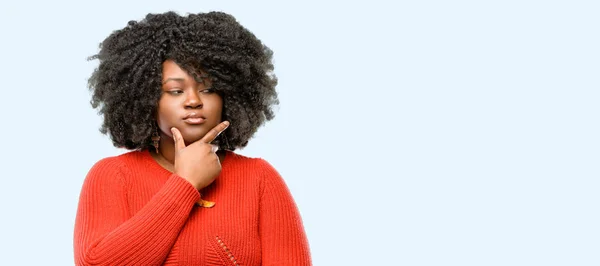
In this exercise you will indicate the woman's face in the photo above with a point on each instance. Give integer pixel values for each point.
(190, 106)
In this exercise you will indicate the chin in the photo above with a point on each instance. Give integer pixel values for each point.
(191, 136)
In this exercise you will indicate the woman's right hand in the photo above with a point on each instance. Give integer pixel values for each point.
(198, 163)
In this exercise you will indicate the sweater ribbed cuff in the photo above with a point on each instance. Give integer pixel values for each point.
(178, 188)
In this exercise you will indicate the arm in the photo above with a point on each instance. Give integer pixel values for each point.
(106, 234)
(283, 239)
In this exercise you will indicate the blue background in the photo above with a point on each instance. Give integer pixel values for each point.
(409, 132)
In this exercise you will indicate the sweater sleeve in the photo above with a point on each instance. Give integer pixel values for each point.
(107, 234)
(283, 239)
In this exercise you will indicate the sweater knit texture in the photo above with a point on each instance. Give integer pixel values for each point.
(132, 211)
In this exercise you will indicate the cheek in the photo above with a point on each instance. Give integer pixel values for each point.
(219, 110)
(164, 116)
(216, 107)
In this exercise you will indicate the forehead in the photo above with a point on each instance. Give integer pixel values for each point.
(170, 68)
(173, 71)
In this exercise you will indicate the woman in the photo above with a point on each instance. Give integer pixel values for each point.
(182, 93)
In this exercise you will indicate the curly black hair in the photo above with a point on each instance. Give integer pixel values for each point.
(126, 86)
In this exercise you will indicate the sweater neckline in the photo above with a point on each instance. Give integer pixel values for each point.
(154, 164)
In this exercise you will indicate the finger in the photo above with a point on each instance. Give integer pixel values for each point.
(179, 143)
(215, 147)
(213, 133)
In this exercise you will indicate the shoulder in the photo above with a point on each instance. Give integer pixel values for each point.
(114, 167)
(260, 170)
(249, 164)
(118, 162)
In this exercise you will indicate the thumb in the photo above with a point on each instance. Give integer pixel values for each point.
(179, 143)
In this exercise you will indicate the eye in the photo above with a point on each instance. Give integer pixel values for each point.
(175, 91)
(208, 90)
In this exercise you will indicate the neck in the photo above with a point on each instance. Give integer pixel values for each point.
(167, 148)
(166, 153)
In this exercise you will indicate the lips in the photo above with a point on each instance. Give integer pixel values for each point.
(194, 119)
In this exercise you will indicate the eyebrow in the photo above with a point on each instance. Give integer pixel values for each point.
(173, 79)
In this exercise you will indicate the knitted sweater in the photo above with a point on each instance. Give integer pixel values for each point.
(132, 211)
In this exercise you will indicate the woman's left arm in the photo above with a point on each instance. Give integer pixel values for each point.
(283, 239)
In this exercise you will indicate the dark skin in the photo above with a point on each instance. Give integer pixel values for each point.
(189, 119)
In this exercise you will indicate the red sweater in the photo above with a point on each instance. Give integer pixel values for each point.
(134, 212)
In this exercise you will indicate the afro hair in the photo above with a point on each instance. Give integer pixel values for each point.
(126, 85)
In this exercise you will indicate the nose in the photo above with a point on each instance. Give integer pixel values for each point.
(193, 101)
